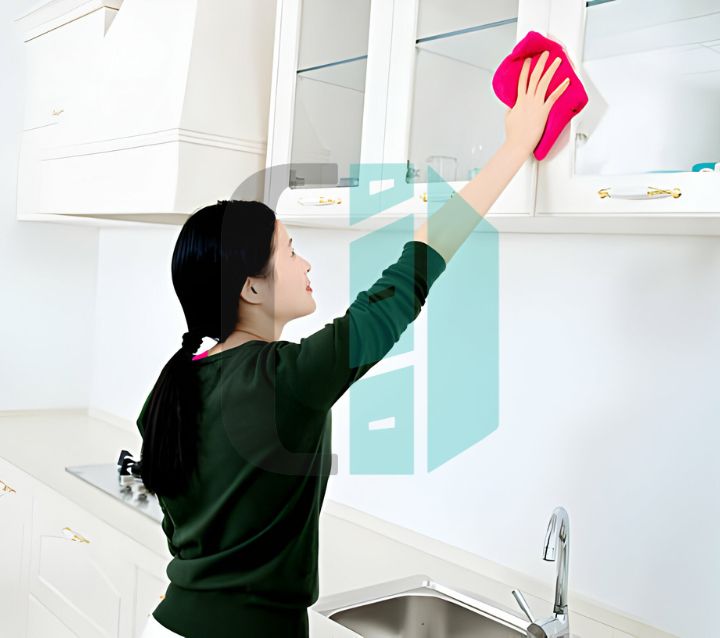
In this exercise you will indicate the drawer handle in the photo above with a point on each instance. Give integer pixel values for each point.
(6, 489)
(319, 201)
(651, 192)
(74, 536)
(57, 112)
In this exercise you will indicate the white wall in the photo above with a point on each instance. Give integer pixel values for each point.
(609, 351)
(47, 280)
(609, 362)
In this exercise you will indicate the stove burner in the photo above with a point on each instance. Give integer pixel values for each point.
(129, 475)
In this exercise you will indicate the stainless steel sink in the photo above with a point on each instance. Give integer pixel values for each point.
(418, 607)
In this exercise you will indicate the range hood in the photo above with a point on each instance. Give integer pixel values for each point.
(143, 111)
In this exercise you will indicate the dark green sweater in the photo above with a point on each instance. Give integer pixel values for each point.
(244, 536)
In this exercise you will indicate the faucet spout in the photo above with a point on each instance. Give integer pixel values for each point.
(557, 548)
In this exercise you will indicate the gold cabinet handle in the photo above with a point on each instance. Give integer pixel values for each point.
(74, 536)
(320, 201)
(6, 489)
(649, 192)
(437, 198)
(57, 112)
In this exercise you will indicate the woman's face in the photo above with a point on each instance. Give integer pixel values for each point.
(291, 296)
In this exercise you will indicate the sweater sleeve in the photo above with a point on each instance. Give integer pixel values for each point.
(320, 369)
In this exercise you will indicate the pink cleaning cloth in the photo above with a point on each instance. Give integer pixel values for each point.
(569, 104)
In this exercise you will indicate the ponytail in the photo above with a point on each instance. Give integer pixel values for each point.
(169, 453)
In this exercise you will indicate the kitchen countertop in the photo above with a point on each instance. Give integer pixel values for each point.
(43, 442)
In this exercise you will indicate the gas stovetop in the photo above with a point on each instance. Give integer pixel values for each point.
(121, 480)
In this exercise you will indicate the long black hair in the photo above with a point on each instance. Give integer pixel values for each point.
(218, 247)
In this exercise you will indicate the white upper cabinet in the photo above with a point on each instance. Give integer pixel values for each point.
(329, 90)
(395, 86)
(455, 122)
(328, 105)
(143, 111)
(652, 73)
(407, 85)
(146, 111)
(444, 121)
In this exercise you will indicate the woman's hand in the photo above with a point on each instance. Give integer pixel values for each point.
(525, 122)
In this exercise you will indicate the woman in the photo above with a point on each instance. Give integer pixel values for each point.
(236, 441)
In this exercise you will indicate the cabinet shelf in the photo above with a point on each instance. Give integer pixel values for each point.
(329, 64)
(479, 27)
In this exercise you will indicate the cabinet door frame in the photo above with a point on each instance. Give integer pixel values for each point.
(518, 198)
(282, 99)
(563, 194)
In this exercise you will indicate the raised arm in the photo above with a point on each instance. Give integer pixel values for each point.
(453, 222)
(319, 369)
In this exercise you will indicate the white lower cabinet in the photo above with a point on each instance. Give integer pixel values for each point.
(15, 508)
(149, 591)
(42, 623)
(65, 572)
(77, 568)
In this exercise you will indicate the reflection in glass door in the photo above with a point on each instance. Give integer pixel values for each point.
(655, 67)
(457, 120)
(329, 89)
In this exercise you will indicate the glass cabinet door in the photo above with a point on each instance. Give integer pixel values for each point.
(657, 66)
(648, 141)
(329, 95)
(456, 120)
(444, 121)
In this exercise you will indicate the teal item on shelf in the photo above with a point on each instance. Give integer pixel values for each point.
(713, 166)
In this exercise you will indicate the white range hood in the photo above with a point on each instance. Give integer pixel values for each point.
(143, 110)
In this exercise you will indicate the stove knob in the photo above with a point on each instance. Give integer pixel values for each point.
(126, 477)
(123, 455)
(136, 469)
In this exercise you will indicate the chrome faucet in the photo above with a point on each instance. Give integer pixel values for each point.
(557, 548)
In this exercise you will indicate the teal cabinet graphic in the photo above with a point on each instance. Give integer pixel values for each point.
(462, 345)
